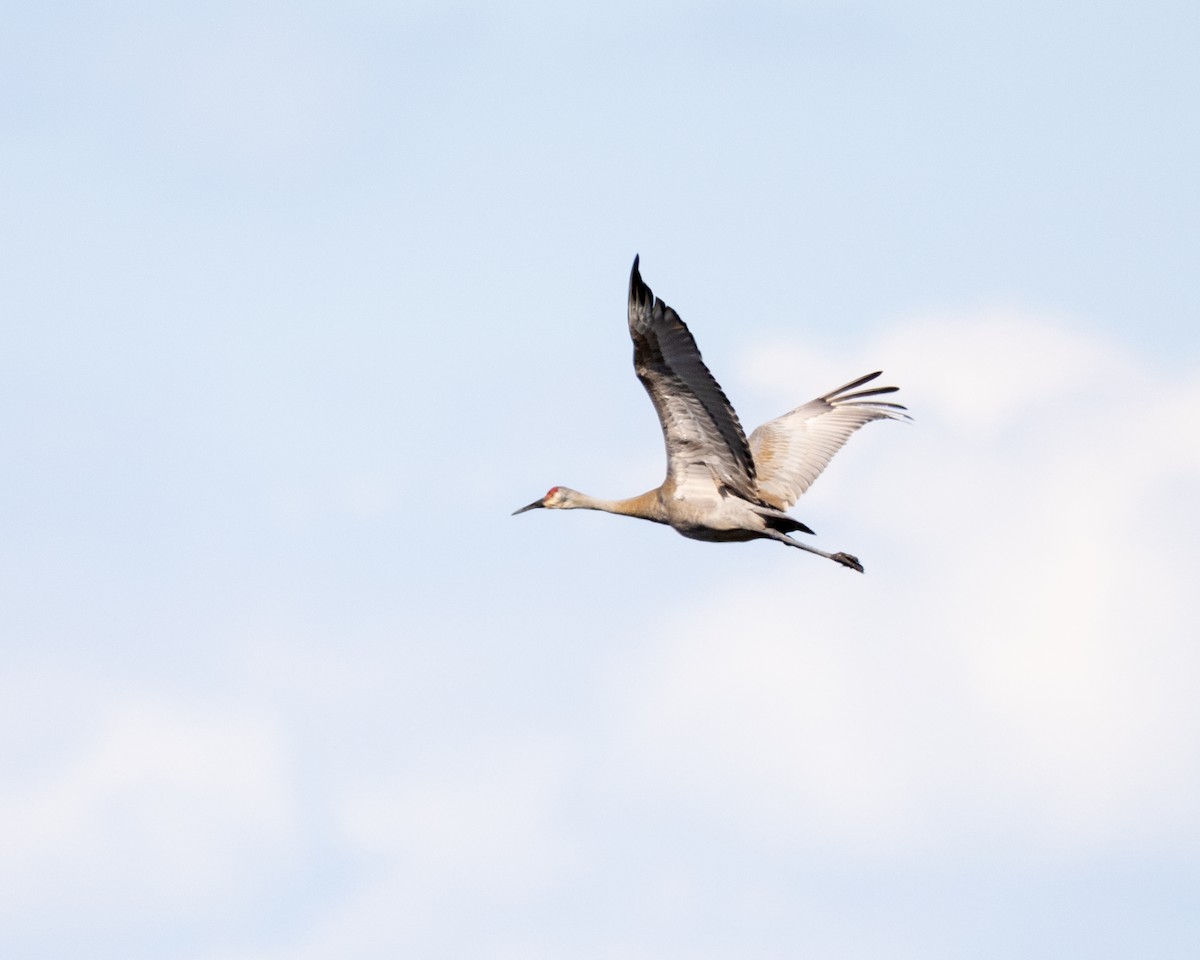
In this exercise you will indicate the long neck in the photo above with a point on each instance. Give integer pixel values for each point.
(647, 506)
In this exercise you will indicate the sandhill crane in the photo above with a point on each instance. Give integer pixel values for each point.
(720, 486)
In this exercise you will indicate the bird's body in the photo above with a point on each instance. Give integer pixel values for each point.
(721, 486)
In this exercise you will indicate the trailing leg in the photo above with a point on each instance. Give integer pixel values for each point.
(845, 559)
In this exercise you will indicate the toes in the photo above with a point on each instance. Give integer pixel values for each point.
(848, 561)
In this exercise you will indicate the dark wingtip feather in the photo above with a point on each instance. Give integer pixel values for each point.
(639, 293)
(851, 385)
(873, 392)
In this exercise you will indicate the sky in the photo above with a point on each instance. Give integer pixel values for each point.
(299, 301)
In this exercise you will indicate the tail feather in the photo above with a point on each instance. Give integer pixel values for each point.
(782, 523)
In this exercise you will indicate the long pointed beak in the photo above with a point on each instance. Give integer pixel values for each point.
(532, 506)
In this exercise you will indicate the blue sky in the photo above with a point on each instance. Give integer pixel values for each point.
(301, 300)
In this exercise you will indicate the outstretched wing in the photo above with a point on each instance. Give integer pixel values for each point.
(791, 451)
(698, 422)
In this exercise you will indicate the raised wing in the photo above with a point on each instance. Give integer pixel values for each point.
(791, 451)
(698, 422)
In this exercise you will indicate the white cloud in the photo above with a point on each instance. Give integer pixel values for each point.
(486, 813)
(452, 835)
(979, 372)
(1011, 667)
(151, 805)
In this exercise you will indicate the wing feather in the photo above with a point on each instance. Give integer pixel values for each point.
(699, 424)
(791, 451)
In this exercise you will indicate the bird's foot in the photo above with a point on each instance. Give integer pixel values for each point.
(848, 561)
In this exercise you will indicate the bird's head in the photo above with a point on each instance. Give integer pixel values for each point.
(557, 498)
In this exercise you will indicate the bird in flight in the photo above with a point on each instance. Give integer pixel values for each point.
(721, 486)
